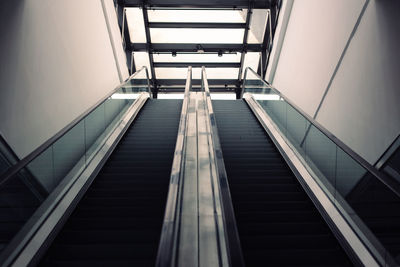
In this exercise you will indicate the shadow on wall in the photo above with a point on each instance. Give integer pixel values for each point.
(387, 14)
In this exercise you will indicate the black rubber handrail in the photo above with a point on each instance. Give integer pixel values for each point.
(390, 183)
(34, 154)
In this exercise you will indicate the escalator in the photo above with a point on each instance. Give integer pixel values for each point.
(277, 222)
(118, 221)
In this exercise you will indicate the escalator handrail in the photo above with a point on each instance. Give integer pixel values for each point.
(392, 185)
(34, 154)
(235, 255)
(166, 250)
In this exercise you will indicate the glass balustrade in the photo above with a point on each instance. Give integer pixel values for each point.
(363, 197)
(62, 159)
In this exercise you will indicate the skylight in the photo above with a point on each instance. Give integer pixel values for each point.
(198, 36)
(168, 40)
(231, 16)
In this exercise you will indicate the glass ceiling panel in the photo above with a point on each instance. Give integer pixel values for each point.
(251, 59)
(258, 23)
(134, 18)
(197, 36)
(223, 96)
(142, 59)
(231, 58)
(181, 73)
(234, 16)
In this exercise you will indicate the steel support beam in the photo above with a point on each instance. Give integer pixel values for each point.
(196, 64)
(268, 37)
(175, 47)
(229, 4)
(197, 25)
(221, 82)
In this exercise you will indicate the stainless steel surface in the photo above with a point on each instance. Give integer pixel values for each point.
(313, 188)
(166, 255)
(200, 242)
(390, 183)
(39, 230)
(25, 161)
(231, 235)
(194, 231)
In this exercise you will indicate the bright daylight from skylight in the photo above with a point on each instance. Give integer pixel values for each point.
(164, 27)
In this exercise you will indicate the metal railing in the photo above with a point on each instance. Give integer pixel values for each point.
(341, 173)
(234, 250)
(26, 160)
(394, 186)
(55, 166)
(167, 249)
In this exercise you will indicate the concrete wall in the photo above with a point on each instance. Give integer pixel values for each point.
(57, 60)
(339, 63)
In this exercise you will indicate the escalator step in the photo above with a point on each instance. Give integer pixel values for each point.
(118, 221)
(278, 224)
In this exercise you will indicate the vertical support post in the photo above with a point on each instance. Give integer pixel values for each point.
(150, 50)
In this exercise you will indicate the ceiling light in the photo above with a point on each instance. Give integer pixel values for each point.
(200, 49)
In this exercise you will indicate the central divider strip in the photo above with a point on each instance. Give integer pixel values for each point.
(194, 231)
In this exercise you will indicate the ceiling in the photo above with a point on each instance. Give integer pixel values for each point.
(224, 36)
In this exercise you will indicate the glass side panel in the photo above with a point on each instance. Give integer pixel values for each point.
(18, 201)
(233, 58)
(370, 205)
(258, 24)
(217, 16)
(135, 22)
(197, 36)
(63, 160)
(252, 60)
(142, 59)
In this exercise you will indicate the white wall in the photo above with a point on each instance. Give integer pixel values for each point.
(56, 62)
(358, 74)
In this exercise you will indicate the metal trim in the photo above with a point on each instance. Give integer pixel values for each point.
(324, 204)
(233, 244)
(37, 234)
(166, 255)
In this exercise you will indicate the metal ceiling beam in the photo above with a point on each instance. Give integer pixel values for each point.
(196, 64)
(258, 4)
(222, 82)
(212, 89)
(197, 25)
(174, 47)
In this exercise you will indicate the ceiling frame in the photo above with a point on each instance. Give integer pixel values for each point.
(154, 48)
